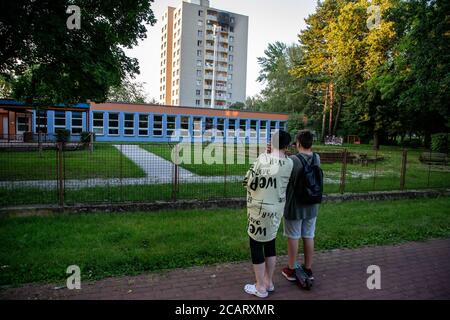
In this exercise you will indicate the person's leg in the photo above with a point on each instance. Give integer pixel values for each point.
(308, 244)
(292, 252)
(259, 267)
(308, 230)
(292, 230)
(271, 260)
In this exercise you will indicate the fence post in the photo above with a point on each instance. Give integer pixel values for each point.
(60, 171)
(403, 170)
(375, 169)
(91, 141)
(225, 177)
(175, 182)
(429, 169)
(175, 177)
(121, 172)
(343, 172)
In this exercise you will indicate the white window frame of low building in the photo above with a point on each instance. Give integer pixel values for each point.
(143, 125)
(171, 125)
(43, 117)
(128, 124)
(110, 127)
(184, 126)
(220, 126)
(197, 126)
(98, 130)
(242, 132)
(263, 129)
(282, 125)
(272, 126)
(157, 125)
(231, 131)
(57, 116)
(253, 128)
(78, 117)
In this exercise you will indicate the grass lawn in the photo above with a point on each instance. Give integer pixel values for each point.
(39, 249)
(104, 162)
(358, 178)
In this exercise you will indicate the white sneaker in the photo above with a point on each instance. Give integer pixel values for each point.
(251, 289)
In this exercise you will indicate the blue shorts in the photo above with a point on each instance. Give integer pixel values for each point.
(296, 229)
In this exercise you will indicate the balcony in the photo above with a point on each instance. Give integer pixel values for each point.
(209, 57)
(209, 37)
(222, 59)
(222, 49)
(221, 97)
(221, 78)
(208, 76)
(211, 17)
(209, 47)
(222, 69)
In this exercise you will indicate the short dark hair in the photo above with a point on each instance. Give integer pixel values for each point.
(281, 139)
(305, 138)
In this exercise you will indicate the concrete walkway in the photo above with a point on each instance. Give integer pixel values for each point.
(154, 166)
(414, 270)
(157, 169)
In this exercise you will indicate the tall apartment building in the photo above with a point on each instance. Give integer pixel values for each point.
(203, 56)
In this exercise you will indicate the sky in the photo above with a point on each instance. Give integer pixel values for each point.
(269, 21)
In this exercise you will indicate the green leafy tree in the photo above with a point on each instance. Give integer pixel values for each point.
(49, 63)
(128, 91)
(238, 106)
(283, 92)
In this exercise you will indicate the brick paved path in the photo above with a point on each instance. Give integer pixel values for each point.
(415, 270)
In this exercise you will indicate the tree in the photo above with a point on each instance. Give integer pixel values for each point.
(237, 106)
(317, 64)
(5, 88)
(417, 79)
(283, 92)
(128, 91)
(49, 63)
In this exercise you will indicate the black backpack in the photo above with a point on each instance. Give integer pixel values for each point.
(309, 186)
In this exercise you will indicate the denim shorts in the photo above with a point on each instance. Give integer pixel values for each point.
(296, 229)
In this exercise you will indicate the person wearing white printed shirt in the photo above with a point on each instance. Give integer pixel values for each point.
(266, 184)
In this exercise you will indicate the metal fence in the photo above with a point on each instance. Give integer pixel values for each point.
(116, 173)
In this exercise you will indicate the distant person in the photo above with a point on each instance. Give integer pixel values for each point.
(303, 196)
(266, 184)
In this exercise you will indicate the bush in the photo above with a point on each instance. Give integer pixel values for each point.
(85, 137)
(62, 135)
(439, 142)
(413, 143)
